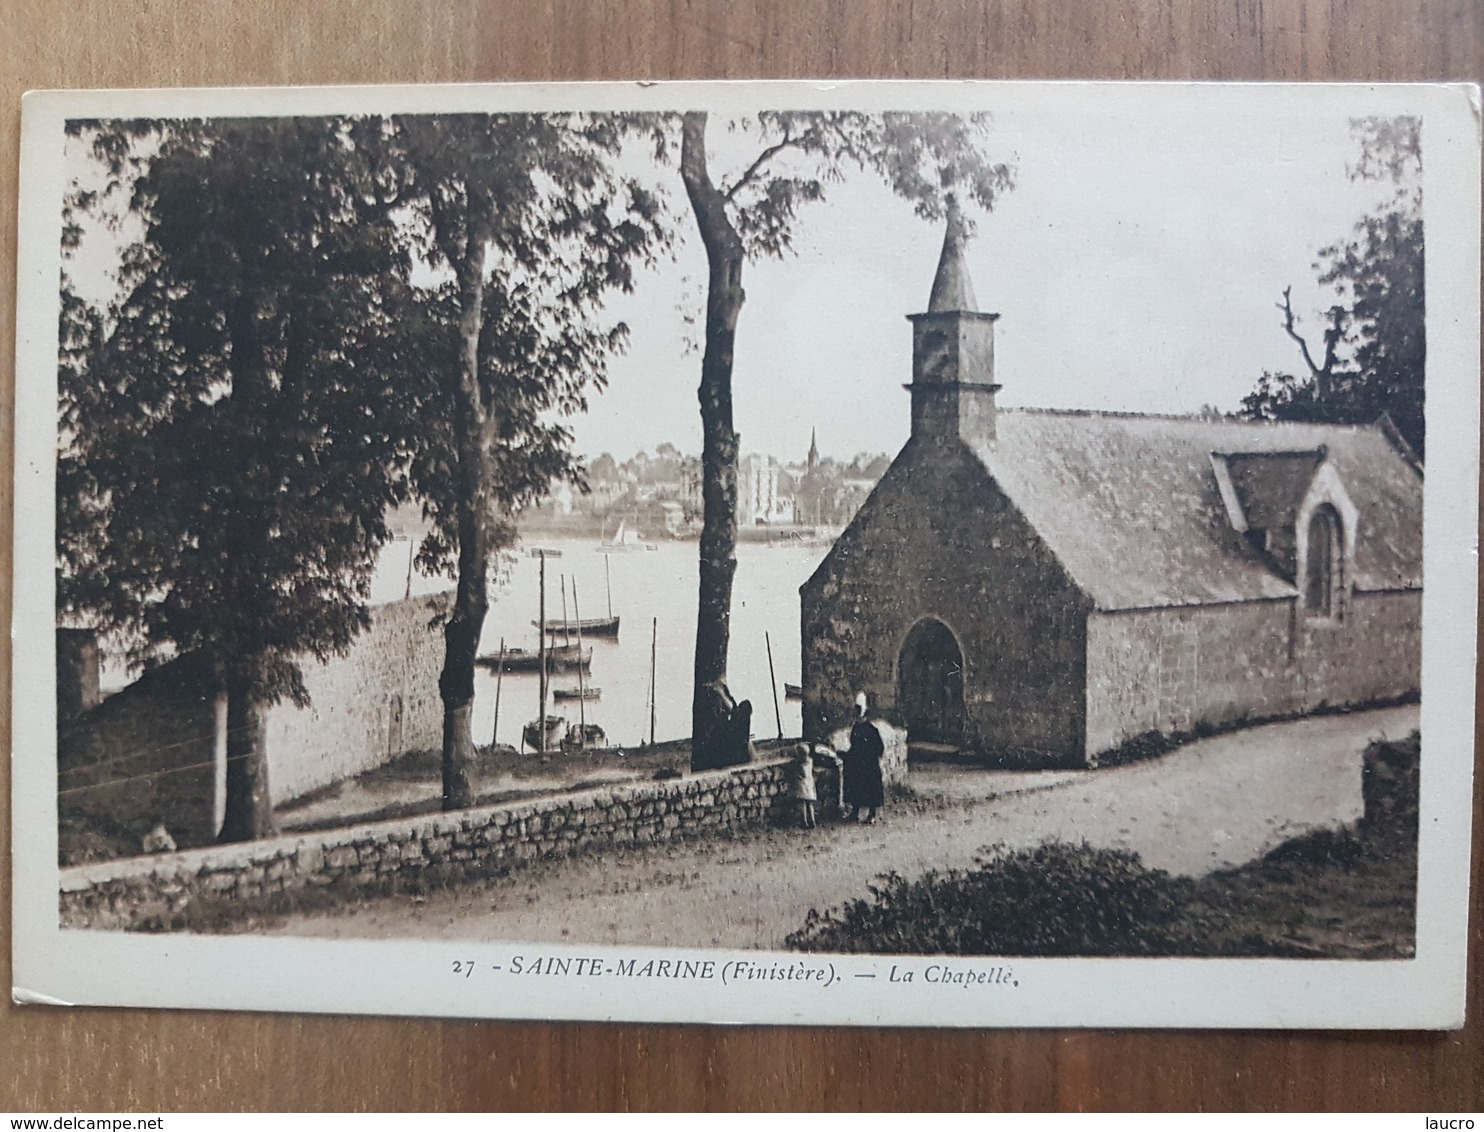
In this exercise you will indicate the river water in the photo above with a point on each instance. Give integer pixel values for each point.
(652, 591)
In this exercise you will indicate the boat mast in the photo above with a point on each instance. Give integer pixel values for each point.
(654, 636)
(581, 686)
(608, 585)
(773, 683)
(499, 679)
(566, 625)
(541, 647)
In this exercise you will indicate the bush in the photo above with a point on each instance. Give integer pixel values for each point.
(1389, 783)
(1330, 848)
(1057, 899)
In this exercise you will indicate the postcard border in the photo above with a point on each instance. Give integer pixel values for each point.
(411, 978)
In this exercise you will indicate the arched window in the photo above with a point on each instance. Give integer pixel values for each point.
(1325, 568)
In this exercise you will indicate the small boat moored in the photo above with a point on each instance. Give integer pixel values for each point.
(531, 733)
(587, 627)
(584, 737)
(559, 658)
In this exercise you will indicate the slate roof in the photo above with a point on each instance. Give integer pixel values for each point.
(1269, 486)
(1131, 508)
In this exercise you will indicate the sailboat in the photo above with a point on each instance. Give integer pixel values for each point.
(624, 540)
(588, 626)
(544, 729)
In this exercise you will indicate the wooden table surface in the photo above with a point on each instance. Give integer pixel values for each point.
(60, 1060)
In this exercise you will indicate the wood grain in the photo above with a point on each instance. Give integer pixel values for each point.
(55, 1060)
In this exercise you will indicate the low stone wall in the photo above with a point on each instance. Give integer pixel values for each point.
(177, 890)
(893, 750)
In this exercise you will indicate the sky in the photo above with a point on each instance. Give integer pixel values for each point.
(1136, 266)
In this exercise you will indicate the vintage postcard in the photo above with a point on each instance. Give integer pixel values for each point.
(958, 554)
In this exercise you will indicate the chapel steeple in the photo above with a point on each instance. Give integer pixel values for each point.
(953, 384)
(953, 290)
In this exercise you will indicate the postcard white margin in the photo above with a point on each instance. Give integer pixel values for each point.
(414, 978)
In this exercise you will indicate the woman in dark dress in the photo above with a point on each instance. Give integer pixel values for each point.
(862, 766)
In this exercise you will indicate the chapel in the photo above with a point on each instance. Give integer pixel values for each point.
(1040, 586)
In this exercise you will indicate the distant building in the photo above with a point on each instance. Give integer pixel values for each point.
(763, 496)
(673, 518)
(1044, 585)
(603, 494)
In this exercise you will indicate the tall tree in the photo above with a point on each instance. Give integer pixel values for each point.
(750, 214)
(1374, 352)
(532, 228)
(228, 425)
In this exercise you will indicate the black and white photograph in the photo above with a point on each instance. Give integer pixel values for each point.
(968, 554)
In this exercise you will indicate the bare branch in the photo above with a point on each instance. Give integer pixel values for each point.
(1332, 336)
(1286, 306)
(788, 141)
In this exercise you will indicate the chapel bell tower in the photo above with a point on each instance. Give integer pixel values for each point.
(953, 384)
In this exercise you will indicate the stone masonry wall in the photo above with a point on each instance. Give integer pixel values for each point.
(893, 750)
(168, 890)
(144, 755)
(151, 752)
(915, 551)
(1170, 669)
(367, 707)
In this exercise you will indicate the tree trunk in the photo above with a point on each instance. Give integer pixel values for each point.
(248, 812)
(712, 739)
(471, 601)
(249, 808)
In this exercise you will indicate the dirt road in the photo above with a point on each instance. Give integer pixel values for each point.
(1213, 803)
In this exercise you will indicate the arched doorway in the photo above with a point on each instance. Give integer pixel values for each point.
(930, 684)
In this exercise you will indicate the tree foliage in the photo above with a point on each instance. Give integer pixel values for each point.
(531, 228)
(569, 232)
(322, 318)
(231, 426)
(749, 213)
(1375, 352)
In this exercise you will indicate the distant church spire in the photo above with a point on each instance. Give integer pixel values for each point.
(953, 290)
(813, 450)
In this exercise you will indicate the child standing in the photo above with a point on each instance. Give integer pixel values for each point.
(801, 784)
